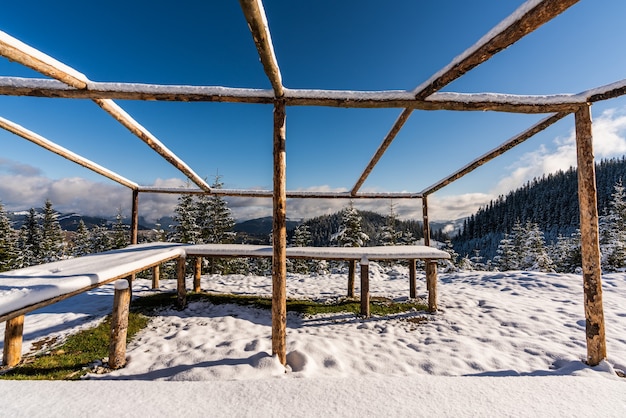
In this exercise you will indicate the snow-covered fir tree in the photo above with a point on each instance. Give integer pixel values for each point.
(185, 229)
(388, 234)
(534, 252)
(52, 242)
(29, 241)
(81, 244)
(301, 238)
(8, 242)
(100, 239)
(507, 258)
(121, 233)
(613, 231)
(215, 218)
(350, 232)
(565, 253)
(451, 264)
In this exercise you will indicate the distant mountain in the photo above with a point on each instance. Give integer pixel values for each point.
(257, 231)
(69, 221)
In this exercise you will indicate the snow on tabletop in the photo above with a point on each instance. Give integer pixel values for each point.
(30, 285)
(372, 253)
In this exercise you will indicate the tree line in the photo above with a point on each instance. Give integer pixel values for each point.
(536, 227)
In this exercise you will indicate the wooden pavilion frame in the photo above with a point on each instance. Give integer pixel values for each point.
(66, 82)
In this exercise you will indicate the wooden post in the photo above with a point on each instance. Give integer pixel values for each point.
(426, 222)
(412, 279)
(180, 282)
(590, 244)
(351, 274)
(431, 284)
(134, 218)
(197, 272)
(119, 325)
(365, 287)
(12, 352)
(279, 236)
(156, 275)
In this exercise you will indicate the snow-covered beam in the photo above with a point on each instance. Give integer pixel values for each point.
(298, 194)
(257, 22)
(15, 86)
(528, 17)
(513, 142)
(16, 50)
(37, 60)
(142, 133)
(65, 153)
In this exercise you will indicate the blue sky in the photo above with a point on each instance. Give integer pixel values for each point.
(348, 45)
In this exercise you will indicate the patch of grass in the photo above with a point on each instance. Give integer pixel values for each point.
(70, 360)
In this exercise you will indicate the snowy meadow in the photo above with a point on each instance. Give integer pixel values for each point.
(506, 343)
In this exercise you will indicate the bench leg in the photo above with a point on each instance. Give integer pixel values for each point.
(365, 288)
(119, 325)
(412, 279)
(180, 282)
(431, 284)
(12, 353)
(351, 274)
(197, 272)
(156, 276)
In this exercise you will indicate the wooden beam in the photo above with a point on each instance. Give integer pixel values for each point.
(431, 284)
(506, 146)
(257, 22)
(279, 236)
(142, 133)
(590, 244)
(181, 287)
(609, 91)
(16, 86)
(528, 17)
(412, 279)
(399, 123)
(28, 56)
(351, 274)
(134, 218)
(365, 287)
(65, 153)
(426, 222)
(289, 194)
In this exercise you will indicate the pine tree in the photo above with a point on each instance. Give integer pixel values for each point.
(388, 234)
(29, 241)
(120, 232)
(535, 255)
(302, 238)
(217, 221)
(81, 244)
(100, 239)
(350, 232)
(185, 230)
(451, 264)
(613, 231)
(507, 257)
(52, 243)
(8, 242)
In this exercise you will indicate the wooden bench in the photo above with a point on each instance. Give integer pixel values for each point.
(25, 290)
(352, 254)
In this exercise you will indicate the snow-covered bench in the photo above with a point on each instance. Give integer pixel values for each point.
(353, 254)
(27, 289)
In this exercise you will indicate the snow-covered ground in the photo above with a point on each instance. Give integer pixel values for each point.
(502, 344)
